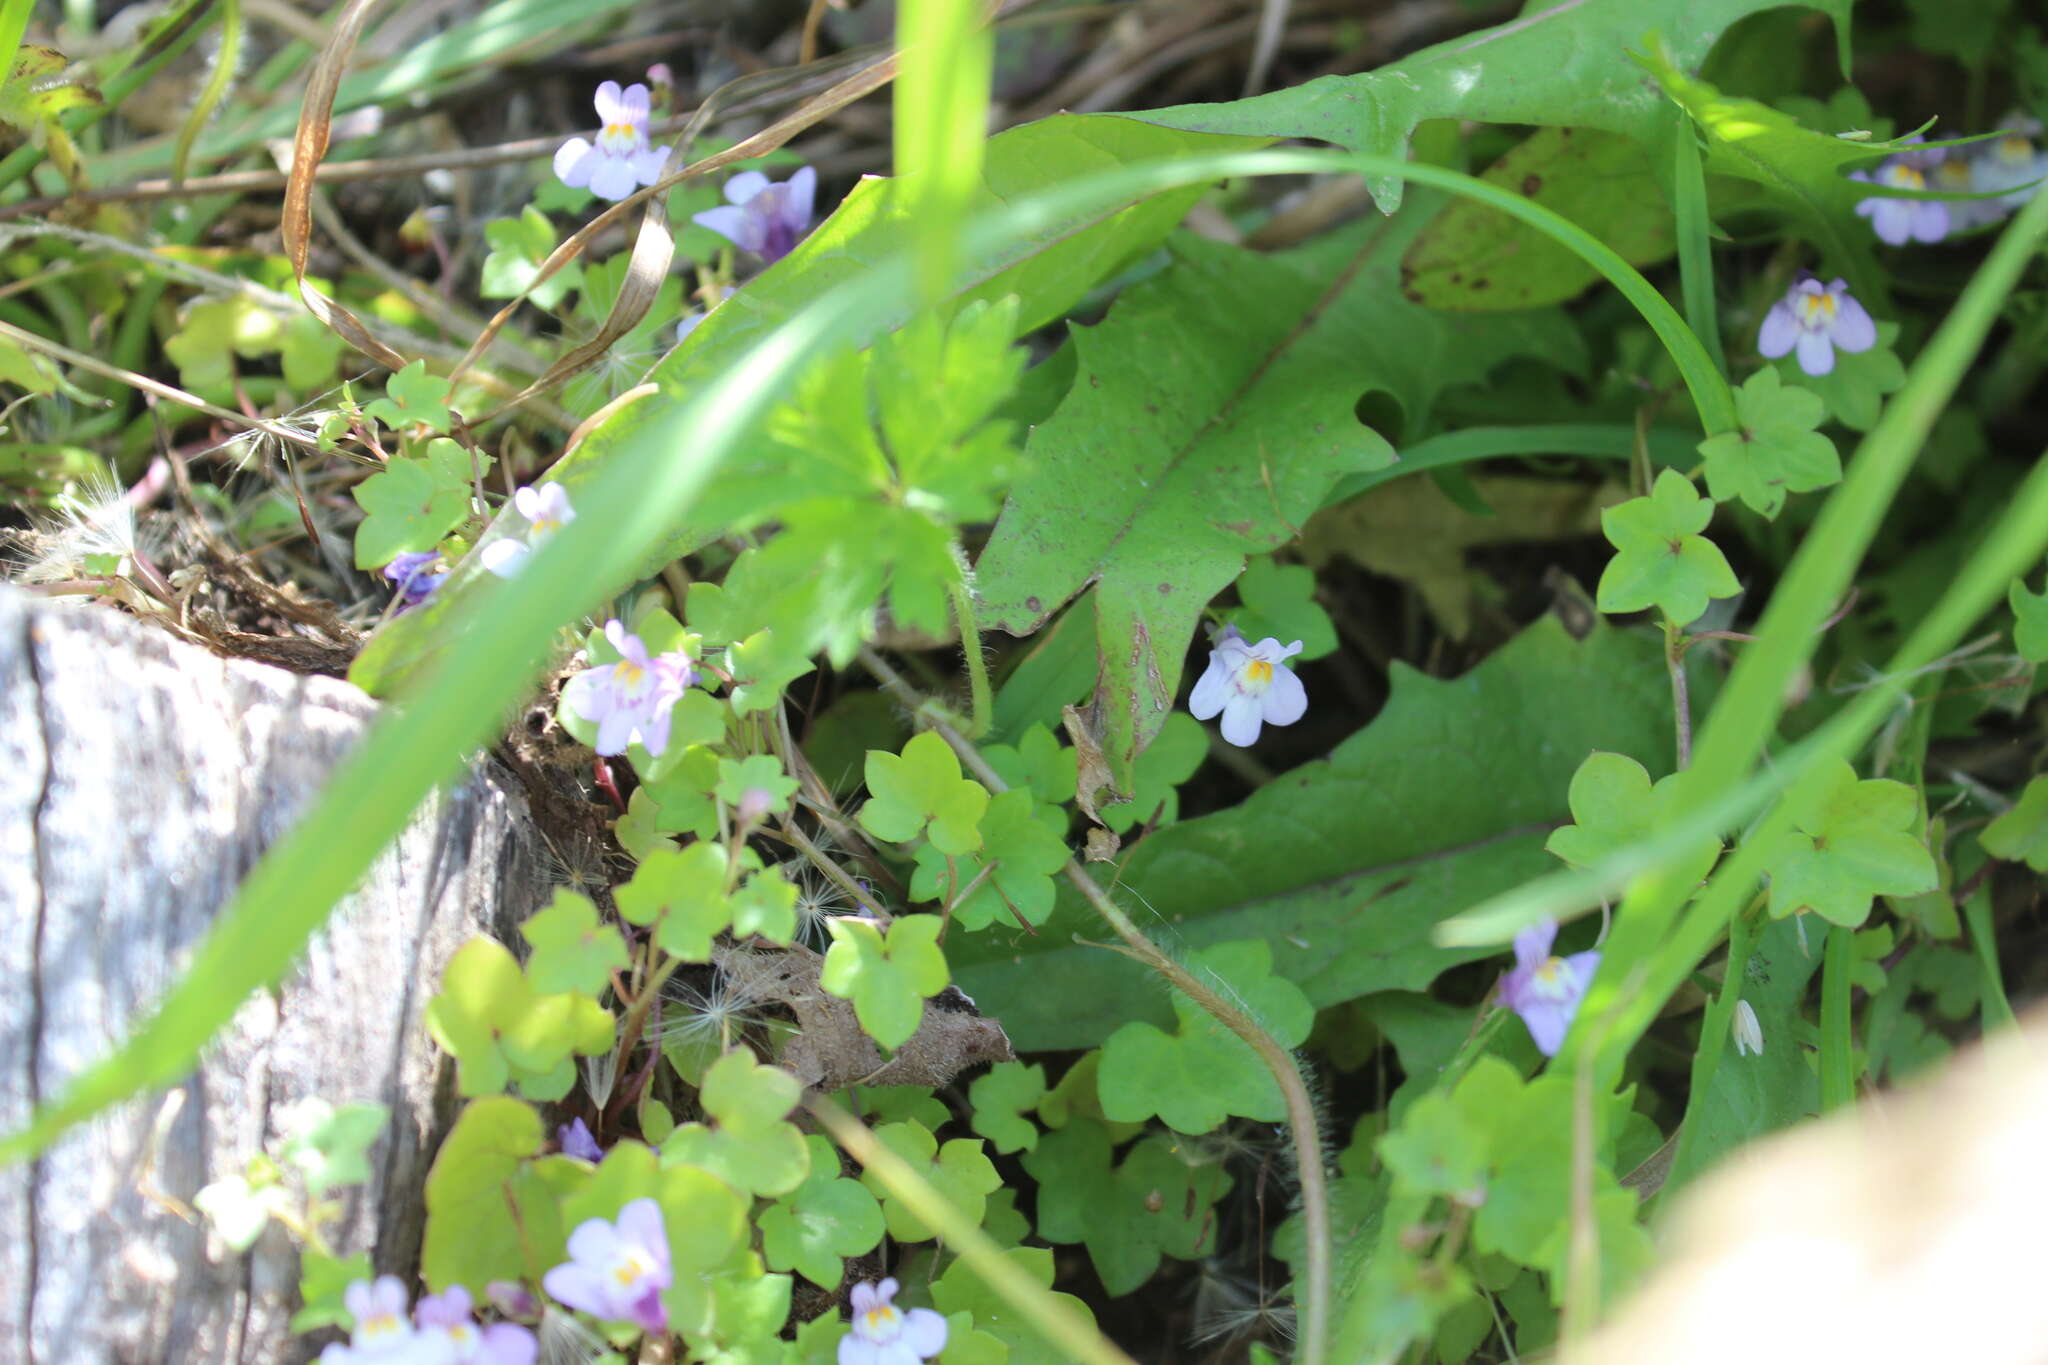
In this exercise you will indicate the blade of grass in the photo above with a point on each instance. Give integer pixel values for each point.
(1695, 241)
(1060, 1324)
(1996, 1009)
(946, 55)
(13, 26)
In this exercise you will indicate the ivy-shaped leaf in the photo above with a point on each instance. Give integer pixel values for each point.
(1279, 600)
(1439, 1149)
(310, 353)
(2030, 621)
(1078, 1096)
(330, 1145)
(1155, 1202)
(959, 1170)
(412, 395)
(1200, 1075)
(815, 1227)
(1661, 558)
(759, 772)
(1025, 850)
(212, 332)
(1614, 806)
(888, 980)
(1853, 841)
(1001, 1098)
(677, 802)
(483, 1198)
(922, 791)
(751, 1148)
(682, 893)
(518, 246)
(962, 1291)
(2021, 834)
(407, 508)
(323, 1287)
(765, 906)
(1777, 449)
(1854, 391)
(1038, 761)
(499, 1028)
(572, 949)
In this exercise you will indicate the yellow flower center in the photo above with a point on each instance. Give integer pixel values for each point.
(618, 130)
(631, 1269)
(1817, 308)
(1258, 673)
(380, 1326)
(882, 1321)
(2015, 148)
(626, 673)
(1550, 979)
(1906, 177)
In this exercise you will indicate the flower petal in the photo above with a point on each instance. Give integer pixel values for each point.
(615, 731)
(803, 191)
(924, 1332)
(506, 1343)
(1241, 720)
(613, 178)
(864, 1298)
(633, 105)
(1893, 222)
(573, 164)
(506, 556)
(1581, 967)
(1212, 689)
(1532, 945)
(1929, 220)
(733, 224)
(1286, 700)
(1780, 331)
(574, 1286)
(649, 164)
(610, 103)
(745, 186)
(1853, 329)
(1548, 1021)
(640, 1223)
(1816, 353)
(854, 1351)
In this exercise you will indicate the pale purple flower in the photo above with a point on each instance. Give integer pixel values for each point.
(575, 1139)
(617, 1271)
(633, 698)
(1546, 990)
(1899, 221)
(451, 1315)
(546, 510)
(409, 572)
(1815, 318)
(1251, 685)
(883, 1334)
(762, 216)
(620, 160)
(2013, 165)
(383, 1334)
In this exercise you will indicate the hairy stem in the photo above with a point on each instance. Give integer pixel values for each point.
(978, 693)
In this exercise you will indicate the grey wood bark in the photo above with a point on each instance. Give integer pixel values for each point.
(140, 778)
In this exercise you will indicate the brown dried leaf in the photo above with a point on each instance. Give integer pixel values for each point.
(309, 146)
(1092, 770)
(829, 1051)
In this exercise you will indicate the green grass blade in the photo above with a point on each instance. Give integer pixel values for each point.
(942, 93)
(1695, 243)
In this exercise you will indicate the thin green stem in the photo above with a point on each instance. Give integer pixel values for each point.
(981, 698)
(1837, 1044)
(1069, 1333)
(216, 86)
(1681, 692)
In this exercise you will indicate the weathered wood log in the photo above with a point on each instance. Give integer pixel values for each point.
(140, 778)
